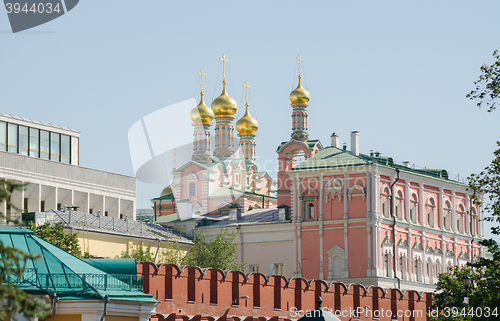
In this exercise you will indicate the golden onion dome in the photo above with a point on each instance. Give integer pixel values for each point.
(167, 191)
(224, 105)
(247, 125)
(202, 114)
(299, 96)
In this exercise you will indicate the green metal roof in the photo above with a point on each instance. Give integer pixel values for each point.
(332, 157)
(68, 276)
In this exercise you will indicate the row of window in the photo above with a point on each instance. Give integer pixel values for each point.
(35, 142)
(274, 269)
(430, 212)
(42, 207)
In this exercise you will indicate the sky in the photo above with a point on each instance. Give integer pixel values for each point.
(396, 71)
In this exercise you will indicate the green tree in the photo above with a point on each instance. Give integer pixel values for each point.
(488, 85)
(484, 293)
(218, 253)
(55, 235)
(170, 253)
(12, 264)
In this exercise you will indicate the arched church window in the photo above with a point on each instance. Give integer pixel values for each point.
(192, 189)
(310, 210)
(447, 215)
(413, 208)
(385, 202)
(473, 218)
(460, 218)
(399, 208)
(430, 207)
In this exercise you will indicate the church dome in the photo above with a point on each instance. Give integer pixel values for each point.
(167, 191)
(224, 105)
(247, 125)
(299, 96)
(202, 114)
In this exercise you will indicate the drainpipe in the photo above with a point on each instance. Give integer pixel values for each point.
(53, 301)
(157, 250)
(106, 300)
(394, 229)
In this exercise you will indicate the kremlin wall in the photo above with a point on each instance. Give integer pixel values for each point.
(191, 293)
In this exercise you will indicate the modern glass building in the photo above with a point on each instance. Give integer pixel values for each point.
(41, 140)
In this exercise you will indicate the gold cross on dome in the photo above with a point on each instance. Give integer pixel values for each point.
(299, 59)
(224, 60)
(246, 96)
(202, 75)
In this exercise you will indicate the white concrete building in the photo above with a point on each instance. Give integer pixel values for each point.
(47, 158)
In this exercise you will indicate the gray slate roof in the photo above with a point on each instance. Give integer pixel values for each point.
(105, 224)
(253, 217)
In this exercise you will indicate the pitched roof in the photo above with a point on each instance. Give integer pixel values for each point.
(68, 276)
(109, 225)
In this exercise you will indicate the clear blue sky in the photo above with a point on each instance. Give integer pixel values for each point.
(396, 71)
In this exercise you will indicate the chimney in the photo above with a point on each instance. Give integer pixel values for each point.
(355, 143)
(335, 140)
(235, 212)
(406, 163)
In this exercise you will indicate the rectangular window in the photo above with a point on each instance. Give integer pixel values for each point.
(44, 144)
(12, 138)
(59, 206)
(42, 206)
(65, 149)
(105, 213)
(34, 142)
(23, 140)
(3, 136)
(25, 205)
(253, 268)
(276, 269)
(54, 146)
(90, 211)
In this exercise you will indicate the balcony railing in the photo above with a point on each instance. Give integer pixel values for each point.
(77, 282)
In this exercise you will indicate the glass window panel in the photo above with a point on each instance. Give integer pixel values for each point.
(44, 144)
(54, 146)
(12, 137)
(23, 140)
(34, 136)
(65, 149)
(3, 136)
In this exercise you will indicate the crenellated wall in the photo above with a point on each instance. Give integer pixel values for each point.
(190, 293)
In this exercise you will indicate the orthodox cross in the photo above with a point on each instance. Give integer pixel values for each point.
(223, 68)
(299, 59)
(202, 75)
(246, 97)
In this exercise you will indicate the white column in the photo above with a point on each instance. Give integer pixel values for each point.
(453, 212)
(321, 201)
(421, 203)
(407, 200)
(376, 194)
(368, 247)
(467, 215)
(440, 208)
(321, 274)
(369, 194)
(346, 188)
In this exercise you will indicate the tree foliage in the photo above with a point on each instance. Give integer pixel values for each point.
(488, 85)
(55, 235)
(170, 253)
(484, 293)
(12, 265)
(218, 253)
